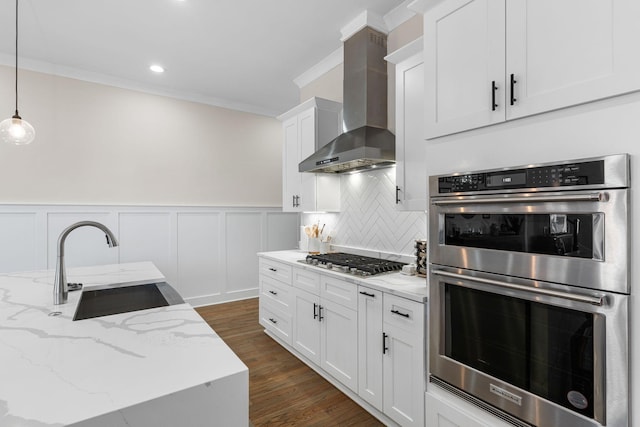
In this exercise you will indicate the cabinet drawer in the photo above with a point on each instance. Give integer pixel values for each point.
(276, 321)
(403, 313)
(306, 280)
(276, 292)
(276, 270)
(339, 291)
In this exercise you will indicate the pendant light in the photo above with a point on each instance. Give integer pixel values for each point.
(15, 130)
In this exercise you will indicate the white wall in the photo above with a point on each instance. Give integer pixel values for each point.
(207, 254)
(100, 144)
(605, 127)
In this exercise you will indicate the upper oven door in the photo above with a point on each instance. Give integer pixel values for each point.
(576, 237)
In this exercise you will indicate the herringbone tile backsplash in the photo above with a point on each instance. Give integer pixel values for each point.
(368, 217)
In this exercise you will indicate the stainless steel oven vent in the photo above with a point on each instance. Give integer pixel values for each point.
(366, 142)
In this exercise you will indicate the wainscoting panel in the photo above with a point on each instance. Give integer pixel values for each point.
(146, 236)
(243, 241)
(207, 253)
(279, 232)
(199, 247)
(18, 241)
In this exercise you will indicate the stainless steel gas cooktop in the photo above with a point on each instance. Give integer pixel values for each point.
(353, 264)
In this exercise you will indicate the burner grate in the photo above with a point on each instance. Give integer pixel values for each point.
(362, 264)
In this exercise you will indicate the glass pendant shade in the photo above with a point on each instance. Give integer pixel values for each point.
(16, 131)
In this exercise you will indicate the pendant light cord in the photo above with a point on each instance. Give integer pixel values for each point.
(16, 57)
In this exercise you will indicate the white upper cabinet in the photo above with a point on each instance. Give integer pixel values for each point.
(464, 53)
(411, 149)
(306, 128)
(491, 61)
(571, 51)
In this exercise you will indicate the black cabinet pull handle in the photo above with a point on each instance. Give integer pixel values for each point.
(367, 294)
(384, 343)
(293, 202)
(494, 88)
(273, 292)
(400, 313)
(397, 194)
(272, 269)
(513, 94)
(320, 316)
(272, 320)
(315, 311)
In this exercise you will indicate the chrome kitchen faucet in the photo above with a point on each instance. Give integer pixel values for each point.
(60, 286)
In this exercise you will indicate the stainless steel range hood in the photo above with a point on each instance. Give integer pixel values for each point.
(366, 142)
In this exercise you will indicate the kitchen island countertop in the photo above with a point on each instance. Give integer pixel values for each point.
(410, 287)
(161, 366)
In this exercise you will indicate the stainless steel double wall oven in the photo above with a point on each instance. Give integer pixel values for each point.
(529, 291)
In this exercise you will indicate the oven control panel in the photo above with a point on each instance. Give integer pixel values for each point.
(551, 175)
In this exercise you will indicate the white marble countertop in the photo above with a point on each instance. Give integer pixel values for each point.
(410, 287)
(55, 371)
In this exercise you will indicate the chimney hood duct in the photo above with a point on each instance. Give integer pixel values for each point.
(366, 142)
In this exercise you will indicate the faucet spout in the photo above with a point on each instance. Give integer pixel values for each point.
(60, 287)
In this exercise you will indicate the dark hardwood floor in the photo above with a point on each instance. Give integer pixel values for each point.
(283, 391)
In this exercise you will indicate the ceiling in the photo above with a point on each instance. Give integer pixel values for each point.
(241, 54)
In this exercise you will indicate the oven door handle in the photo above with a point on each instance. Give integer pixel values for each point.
(513, 198)
(595, 300)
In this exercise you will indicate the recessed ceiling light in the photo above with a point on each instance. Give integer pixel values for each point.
(157, 69)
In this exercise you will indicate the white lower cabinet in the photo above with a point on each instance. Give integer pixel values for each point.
(306, 330)
(326, 332)
(339, 343)
(370, 346)
(370, 341)
(391, 347)
(275, 298)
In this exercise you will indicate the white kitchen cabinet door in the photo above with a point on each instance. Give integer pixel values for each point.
(340, 343)
(569, 52)
(370, 346)
(411, 148)
(308, 136)
(306, 128)
(403, 377)
(403, 360)
(306, 325)
(291, 179)
(464, 47)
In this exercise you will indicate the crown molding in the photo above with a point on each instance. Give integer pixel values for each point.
(365, 19)
(107, 80)
(399, 15)
(415, 47)
(422, 6)
(331, 61)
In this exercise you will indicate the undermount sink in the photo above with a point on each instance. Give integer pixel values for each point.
(124, 299)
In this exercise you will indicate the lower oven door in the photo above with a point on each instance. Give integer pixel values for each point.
(547, 354)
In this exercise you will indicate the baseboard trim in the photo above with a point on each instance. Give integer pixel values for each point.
(222, 298)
